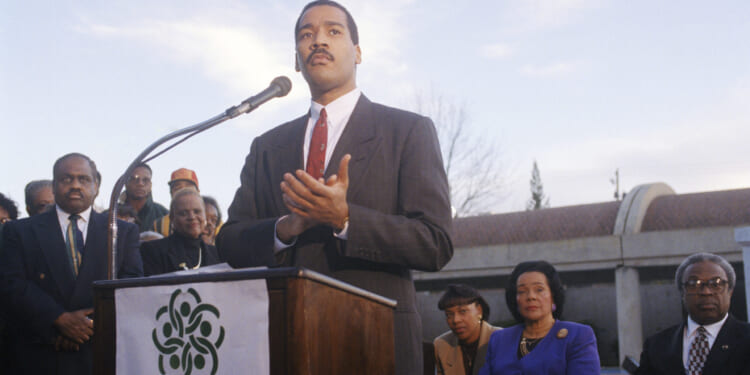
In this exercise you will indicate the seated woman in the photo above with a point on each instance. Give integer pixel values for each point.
(183, 249)
(461, 351)
(540, 344)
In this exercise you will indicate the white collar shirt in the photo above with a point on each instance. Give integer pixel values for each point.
(691, 332)
(83, 223)
(338, 113)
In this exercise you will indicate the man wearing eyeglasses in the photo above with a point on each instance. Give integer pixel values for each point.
(710, 341)
(138, 196)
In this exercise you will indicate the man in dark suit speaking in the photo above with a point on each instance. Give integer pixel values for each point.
(47, 266)
(710, 341)
(352, 189)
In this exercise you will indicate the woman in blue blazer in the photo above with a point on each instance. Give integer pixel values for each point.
(541, 344)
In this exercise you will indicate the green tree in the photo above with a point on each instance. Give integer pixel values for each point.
(538, 199)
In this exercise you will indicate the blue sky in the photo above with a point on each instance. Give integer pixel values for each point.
(657, 89)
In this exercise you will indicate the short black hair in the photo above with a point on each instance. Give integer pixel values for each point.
(461, 294)
(350, 24)
(92, 165)
(210, 200)
(553, 279)
(126, 210)
(32, 188)
(9, 205)
(144, 165)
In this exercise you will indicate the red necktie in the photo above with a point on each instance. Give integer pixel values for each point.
(316, 159)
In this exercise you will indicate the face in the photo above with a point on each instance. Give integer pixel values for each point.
(464, 321)
(189, 217)
(533, 296)
(179, 185)
(212, 219)
(4, 216)
(41, 200)
(138, 186)
(326, 55)
(704, 305)
(74, 185)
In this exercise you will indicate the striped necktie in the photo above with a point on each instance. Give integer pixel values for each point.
(698, 353)
(74, 243)
(316, 158)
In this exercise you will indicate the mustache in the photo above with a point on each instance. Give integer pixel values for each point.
(320, 51)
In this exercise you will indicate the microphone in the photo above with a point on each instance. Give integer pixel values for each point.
(280, 86)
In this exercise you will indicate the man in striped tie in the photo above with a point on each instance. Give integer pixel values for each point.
(710, 341)
(47, 267)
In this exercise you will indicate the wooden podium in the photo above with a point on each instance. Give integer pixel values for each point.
(317, 325)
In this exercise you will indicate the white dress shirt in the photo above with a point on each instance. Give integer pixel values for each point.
(83, 223)
(691, 332)
(338, 113)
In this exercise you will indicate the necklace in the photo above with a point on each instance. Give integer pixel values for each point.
(184, 266)
(527, 345)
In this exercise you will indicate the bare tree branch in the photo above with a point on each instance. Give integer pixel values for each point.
(472, 159)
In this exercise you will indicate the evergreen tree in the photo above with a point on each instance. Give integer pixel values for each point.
(538, 199)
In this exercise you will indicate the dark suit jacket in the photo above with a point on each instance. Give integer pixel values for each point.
(166, 254)
(37, 285)
(730, 354)
(399, 211)
(572, 353)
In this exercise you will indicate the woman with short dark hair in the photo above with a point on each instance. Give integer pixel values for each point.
(541, 343)
(461, 350)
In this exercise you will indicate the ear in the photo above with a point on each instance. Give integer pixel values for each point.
(296, 62)
(358, 57)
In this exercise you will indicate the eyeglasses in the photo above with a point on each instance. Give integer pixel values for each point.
(714, 285)
(140, 180)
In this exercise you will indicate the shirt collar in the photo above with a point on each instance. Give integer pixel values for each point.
(63, 216)
(712, 329)
(337, 109)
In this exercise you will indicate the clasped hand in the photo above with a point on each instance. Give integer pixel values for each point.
(75, 327)
(313, 202)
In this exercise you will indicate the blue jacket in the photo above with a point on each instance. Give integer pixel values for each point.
(573, 353)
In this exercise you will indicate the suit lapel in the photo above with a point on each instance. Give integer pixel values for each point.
(674, 351)
(358, 139)
(52, 243)
(286, 156)
(453, 361)
(723, 345)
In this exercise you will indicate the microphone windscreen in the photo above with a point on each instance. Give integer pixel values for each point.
(284, 83)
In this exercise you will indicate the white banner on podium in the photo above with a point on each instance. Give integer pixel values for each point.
(199, 328)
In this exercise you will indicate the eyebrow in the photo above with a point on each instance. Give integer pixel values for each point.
(327, 23)
(534, 283)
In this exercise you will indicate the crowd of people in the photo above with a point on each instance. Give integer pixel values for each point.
(351, 189)
(49, 260)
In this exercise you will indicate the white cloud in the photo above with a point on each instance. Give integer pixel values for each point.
(544, 14)
(496, 51)
(551, 70)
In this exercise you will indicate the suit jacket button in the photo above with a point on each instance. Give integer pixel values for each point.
(41, 276)
(725, 347)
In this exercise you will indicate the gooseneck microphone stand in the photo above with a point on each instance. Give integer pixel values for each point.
(279, 87)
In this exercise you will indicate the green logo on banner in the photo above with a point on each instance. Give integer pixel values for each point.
(186, 335)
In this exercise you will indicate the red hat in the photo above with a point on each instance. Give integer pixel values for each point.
(184, 174)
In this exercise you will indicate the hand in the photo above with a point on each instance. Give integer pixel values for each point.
(291, 226)
(75, 325)
(321, 201)
(63, 344)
